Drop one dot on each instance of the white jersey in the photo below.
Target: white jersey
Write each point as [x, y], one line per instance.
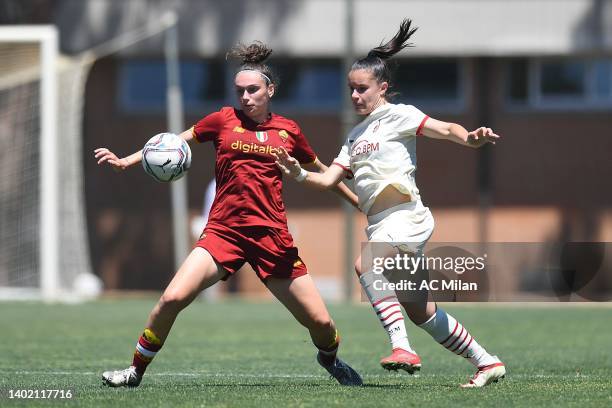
[381, 151]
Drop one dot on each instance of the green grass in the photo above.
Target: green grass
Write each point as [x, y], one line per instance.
[250, 354]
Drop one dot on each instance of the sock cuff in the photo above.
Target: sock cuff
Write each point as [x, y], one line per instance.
[367, 278]
[333, 346]
[147, 345]
[151, 337]
[431, 322]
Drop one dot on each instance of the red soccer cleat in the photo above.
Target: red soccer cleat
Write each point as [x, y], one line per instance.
[401, 359]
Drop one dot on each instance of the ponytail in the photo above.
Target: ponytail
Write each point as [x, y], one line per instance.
[376, 60]
[396, 44]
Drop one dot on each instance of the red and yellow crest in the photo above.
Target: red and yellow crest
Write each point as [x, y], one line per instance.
[283, 135]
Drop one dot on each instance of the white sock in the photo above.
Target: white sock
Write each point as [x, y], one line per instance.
[451, 334]
[388, 310]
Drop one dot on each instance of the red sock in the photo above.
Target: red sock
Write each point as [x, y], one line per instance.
[147, 347]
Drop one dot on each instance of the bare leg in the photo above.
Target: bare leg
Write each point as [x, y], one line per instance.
[419, 312]
[420, 307]
[301, 297]
[198, 272]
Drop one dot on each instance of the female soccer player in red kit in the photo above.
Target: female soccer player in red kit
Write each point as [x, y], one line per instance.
[247, 222]
[380, 153]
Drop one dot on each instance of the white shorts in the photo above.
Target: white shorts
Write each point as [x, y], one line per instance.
[410, 224]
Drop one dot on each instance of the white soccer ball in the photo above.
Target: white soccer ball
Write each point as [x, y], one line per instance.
[166, 157]
[87, 286]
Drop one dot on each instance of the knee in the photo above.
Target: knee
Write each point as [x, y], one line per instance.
[357, 265]
[173, 300]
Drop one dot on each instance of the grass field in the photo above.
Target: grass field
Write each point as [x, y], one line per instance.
[250, 354]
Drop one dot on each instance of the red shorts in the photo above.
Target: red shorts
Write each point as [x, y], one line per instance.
[269, 251]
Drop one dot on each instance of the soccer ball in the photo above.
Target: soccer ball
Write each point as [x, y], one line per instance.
[166, 157]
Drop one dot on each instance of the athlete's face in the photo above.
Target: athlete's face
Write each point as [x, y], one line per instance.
[253, 94]
[367, 93]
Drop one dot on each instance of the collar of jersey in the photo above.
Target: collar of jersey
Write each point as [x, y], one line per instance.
[375, 114]
[250, 123]
[381, 110]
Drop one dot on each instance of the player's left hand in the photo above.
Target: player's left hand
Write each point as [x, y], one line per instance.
[481, 136]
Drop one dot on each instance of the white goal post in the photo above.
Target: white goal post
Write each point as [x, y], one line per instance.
[47, 38]
[44, 244]
[44, 248]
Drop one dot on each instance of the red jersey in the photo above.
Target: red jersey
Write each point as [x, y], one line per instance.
[249, 185]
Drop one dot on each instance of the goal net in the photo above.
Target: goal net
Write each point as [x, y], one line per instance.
[43, 238]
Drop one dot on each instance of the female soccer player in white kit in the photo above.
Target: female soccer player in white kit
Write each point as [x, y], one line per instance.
[380, 153]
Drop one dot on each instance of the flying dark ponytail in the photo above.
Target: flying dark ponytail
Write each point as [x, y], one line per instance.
[252, 58]
[396, 44]
[376, 60]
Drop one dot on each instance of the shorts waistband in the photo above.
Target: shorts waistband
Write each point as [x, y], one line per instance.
[378, 217]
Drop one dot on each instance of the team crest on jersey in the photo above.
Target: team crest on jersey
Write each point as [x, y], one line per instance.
[283, 135]
[239, 129]
[262, 136]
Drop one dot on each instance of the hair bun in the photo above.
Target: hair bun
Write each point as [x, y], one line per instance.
[254, 53]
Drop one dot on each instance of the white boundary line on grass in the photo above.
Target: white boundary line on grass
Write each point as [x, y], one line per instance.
[271, 376]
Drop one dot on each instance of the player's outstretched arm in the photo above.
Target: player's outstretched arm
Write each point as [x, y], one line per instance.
[118, 164]
[341, 189]
[290, 167]
[104, 155]
[438, 129]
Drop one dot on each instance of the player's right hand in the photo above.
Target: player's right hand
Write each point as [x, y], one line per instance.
[287, 164]
[106, 156]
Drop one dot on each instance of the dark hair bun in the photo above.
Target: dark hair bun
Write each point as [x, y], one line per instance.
[254, 53]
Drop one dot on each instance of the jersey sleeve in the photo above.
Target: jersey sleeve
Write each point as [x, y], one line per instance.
[411, 121]
[302, 151]
[344, 160]
[208, 127]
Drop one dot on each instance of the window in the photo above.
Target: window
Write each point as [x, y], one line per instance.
[310, 85]
[603, 80]
[305, 85]
[517, 85]
[562, 80]
[142, 85]
[577, 83]
[437, 84]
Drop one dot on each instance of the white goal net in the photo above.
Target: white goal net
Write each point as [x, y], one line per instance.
[43, 236]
